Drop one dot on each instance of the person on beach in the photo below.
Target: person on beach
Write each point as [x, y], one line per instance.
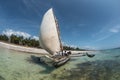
[62, 53]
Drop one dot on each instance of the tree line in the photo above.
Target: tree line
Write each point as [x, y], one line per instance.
[30, 42]
[20, 40]
[72, 48]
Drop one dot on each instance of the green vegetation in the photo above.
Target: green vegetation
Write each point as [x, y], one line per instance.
[19, 40]
[72, 48]
[30, 42]
[4, 38]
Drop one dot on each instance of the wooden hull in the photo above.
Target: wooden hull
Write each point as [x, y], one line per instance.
[54, 62]
[61, 62]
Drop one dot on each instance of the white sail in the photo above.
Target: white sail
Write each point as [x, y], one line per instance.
[49, 35]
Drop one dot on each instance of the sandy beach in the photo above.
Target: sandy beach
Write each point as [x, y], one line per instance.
[22, 48]
[33, 50]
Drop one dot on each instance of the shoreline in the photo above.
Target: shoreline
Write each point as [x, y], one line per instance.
[22, 48]
[33, 50]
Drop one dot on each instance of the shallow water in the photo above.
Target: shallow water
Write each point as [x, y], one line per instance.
[19, 66]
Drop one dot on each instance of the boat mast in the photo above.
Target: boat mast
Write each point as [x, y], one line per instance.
[58, 31]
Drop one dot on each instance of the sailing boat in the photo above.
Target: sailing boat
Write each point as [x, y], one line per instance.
[50, 40]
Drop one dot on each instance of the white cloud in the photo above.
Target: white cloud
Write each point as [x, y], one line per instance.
[103, 38]
[35, 37]
[66, 44]
[81, 25]
[115, 29]
[73, 46]
[88, 47]
[32, 5]
[106, 33]
[9, 32]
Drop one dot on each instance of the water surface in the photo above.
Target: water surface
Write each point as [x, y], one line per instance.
[16, 65]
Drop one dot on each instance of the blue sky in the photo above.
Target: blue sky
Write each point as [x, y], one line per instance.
[91, 24]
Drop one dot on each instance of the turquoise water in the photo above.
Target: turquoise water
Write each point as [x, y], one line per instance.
[19, 66]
